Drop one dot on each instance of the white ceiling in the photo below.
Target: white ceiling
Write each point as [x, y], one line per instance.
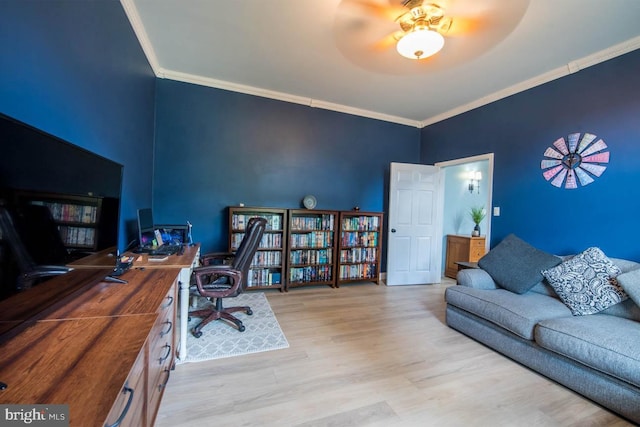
[323, 53]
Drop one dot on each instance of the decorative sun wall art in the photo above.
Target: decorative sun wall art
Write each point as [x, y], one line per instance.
[575, 161]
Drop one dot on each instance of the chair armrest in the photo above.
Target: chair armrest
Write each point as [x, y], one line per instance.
[476, 278]
[208, 274]
[27, 279]
[216, 258]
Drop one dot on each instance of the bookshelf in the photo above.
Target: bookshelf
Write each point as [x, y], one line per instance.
[312, 242]
[85, 223]
[267, 267]
[359, 247]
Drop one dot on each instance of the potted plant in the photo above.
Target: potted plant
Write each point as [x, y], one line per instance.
[477, 215]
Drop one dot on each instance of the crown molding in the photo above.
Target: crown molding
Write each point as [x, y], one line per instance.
[138, 28]
[281, 96]
[570, 68]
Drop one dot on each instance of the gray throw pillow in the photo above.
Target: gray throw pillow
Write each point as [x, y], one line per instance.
[515, 265]
[630, 282]
[587, 282]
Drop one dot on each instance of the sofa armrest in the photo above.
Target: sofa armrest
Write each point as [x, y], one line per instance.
[476, 278]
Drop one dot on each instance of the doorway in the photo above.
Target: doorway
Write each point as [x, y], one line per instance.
[462, 191]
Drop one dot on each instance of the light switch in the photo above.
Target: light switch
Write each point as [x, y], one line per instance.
[496, 211]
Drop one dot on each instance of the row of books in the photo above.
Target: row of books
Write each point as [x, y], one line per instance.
[322, 222]
[314, 239]
[361, 223]
[268, 241]
[359, 271]
[264, 277]
[311, 256]
[359, 255]
[240, 221]
[318, 273]
[266, 259]
[359, 238]
[67, 212]
[77, 236]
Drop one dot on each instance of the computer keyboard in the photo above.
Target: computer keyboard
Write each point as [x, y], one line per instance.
[162, 250]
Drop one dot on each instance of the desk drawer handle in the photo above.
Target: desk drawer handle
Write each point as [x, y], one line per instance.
[126, 408]
[169, 303]
[164, 384]
[162, 359]
[170, 323]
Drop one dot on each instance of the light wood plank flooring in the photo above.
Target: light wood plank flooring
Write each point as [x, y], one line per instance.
[367, 355]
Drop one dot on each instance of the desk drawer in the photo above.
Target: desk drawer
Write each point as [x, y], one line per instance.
[162, 352]
[135, 415]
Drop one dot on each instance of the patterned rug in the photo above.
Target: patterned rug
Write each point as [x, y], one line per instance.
[219, 339]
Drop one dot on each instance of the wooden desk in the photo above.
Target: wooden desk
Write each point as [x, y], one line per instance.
[83, 349]
[185, 262]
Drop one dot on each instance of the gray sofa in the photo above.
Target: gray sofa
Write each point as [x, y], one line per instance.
[596, 355]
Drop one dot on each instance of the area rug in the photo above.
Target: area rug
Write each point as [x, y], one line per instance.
[219, 339]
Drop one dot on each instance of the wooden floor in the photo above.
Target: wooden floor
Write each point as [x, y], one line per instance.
[367, 355]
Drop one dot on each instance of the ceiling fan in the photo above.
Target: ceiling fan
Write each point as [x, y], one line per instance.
[367, 30]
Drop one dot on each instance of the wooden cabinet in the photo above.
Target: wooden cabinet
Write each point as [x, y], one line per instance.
[105, 349]
[462, 248]
[84, 222]
[359, 249]
[311, 243]
[267, 267]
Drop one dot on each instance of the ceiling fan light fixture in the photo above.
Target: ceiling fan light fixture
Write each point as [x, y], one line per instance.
[420, 43]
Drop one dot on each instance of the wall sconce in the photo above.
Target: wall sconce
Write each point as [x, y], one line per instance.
[474, 181]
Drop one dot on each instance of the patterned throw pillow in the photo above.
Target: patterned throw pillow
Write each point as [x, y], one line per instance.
[587, 282]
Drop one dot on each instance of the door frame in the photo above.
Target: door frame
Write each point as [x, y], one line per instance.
[489, 191]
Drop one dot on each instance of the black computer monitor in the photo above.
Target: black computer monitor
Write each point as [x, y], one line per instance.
[146, 234]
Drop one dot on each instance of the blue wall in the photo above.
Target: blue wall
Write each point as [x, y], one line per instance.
[75, 69]
[602, 100]
[216, 148]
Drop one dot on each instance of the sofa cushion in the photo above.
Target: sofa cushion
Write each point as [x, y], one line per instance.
[516, 313]
[606, 343]
[586, 283]
[515, 265]
[630, 282]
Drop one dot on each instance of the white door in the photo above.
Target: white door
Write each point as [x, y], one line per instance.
[414, 244]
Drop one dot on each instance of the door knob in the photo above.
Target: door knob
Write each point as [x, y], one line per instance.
[393, 230]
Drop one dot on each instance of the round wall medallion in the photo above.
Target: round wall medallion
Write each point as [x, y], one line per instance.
[309, 202]
[575, 161]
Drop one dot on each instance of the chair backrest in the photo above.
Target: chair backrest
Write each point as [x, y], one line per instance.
[248, 247]
[9, 233]
[39, 234]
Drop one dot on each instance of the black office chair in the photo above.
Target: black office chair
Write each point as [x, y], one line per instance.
[29, 272]
[218, 281]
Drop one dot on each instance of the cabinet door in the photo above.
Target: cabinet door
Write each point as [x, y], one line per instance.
[457, 250]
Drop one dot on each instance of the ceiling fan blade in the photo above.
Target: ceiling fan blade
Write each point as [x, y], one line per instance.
[387, 42]
[382, 9]
[463, 26]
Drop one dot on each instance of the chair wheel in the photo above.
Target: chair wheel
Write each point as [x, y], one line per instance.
[241, 328]
[197, 334]
[249, 312]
